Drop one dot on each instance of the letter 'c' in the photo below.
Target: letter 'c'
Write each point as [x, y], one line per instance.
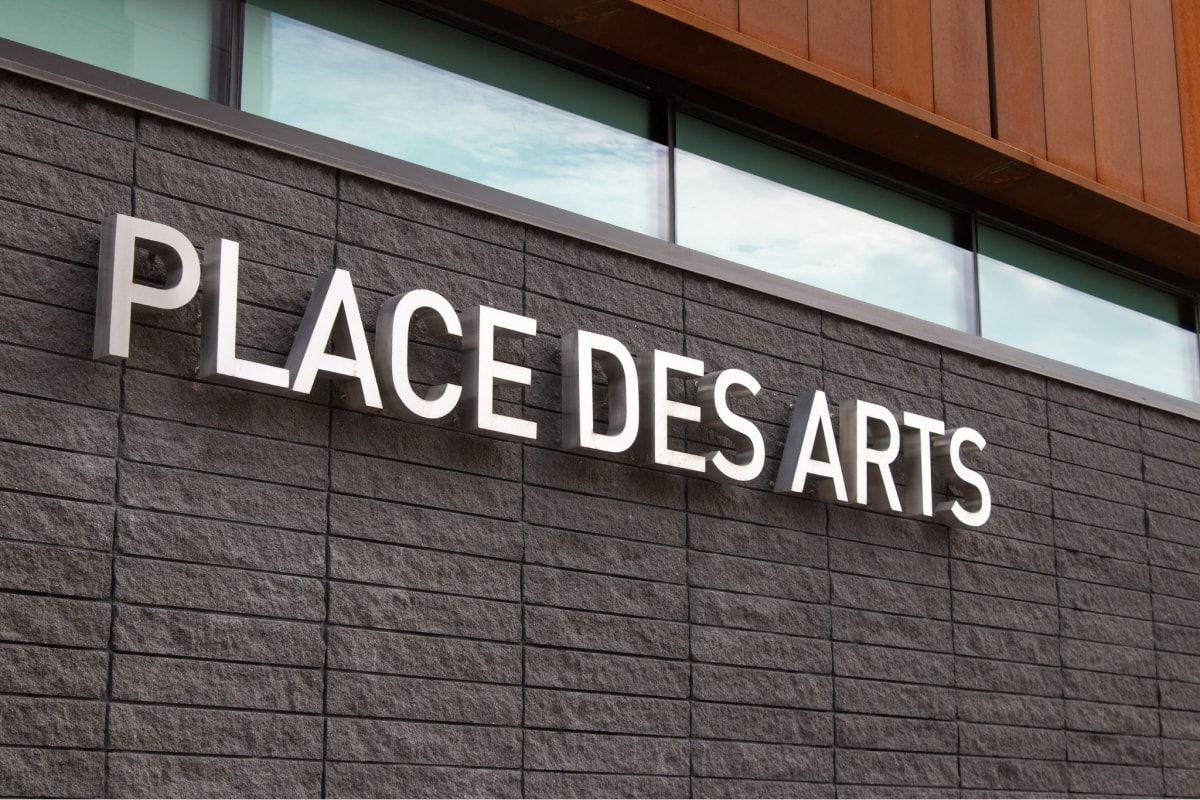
[392, 331]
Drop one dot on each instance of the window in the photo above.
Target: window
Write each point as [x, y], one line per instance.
[1048, 303]
[385, 79]
[168, 42]
[748, 202]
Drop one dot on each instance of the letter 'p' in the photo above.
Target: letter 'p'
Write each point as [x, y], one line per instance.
[116, 292]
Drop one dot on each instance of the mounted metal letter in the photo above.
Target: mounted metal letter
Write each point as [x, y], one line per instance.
[918, 462]
[870, 442]
[811, 450]
[332, 313]
[713, 393]
[481, 370]
[579, 348]
[218, 330]
[392, 330]
[116, 291]
[654, 369]
[947, 453]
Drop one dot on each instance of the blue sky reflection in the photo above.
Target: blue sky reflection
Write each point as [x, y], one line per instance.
[374, 98]
[763, 224]
[1036, 314]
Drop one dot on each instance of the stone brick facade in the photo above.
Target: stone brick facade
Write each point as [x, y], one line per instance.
[209, 590]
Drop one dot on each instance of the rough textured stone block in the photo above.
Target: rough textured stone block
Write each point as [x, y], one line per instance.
[159, 775]
[594, 752]
[36, 772]
[208, 731]
[177, 681]
[207, 635]
[605, 713]
[364, 695]
[434, 657]
[604, 672]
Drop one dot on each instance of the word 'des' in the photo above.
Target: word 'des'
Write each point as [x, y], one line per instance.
[855, 467]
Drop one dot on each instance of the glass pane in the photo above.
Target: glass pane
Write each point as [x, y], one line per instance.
[168, 42]
[1043, 316]
[1081, 275]
[376, 98]
[771, 226]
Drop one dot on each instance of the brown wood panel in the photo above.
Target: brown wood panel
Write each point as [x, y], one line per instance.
[781, 23]
[1163, 184]
[839, 36]
[1067, 83]
[1114, 96]
[961, 89]
[1186, 18]
[1017, 59]
[821, 100]
[902, 50]
[722, 12]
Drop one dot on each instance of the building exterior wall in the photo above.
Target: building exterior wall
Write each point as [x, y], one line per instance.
[1096, 86]
[208, 590]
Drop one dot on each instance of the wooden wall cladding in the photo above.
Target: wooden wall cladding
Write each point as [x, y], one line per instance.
[1109, 89]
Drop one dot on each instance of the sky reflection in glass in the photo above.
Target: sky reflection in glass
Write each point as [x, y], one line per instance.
[321, 81]
[1036, 314]
[754, 221]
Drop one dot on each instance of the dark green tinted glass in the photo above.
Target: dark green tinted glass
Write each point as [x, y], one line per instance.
[372, 75]
[1063, 308]
[421, 39]
[168, 42]
[780, 166]
[1081, 275]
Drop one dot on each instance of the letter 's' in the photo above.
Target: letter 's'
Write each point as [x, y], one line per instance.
[948, 457]
[713, 394]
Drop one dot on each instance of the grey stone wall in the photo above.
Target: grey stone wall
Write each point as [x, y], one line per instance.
[207, 590]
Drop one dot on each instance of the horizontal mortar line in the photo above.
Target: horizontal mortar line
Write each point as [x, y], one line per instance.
[136, 187]
[515, 481]
[68, 403]
[438, 266]
[75, 125]
[123, 180]
[508, 601]
[123, 554]
[58, 259]
[212, 755]
[191, 515]
[429, 506]
[608, 312]
[591, 270]
[315, 448]
[456, 469]
[73, 548]
[192, 379]
[59, 211]
[274, 481]
[771, 322]
[669, 737]
[332, 196]
[433, 226]
[68, 450]
[52, 747]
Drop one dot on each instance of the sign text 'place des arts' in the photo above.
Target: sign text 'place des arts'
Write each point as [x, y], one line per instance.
[332, 342]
